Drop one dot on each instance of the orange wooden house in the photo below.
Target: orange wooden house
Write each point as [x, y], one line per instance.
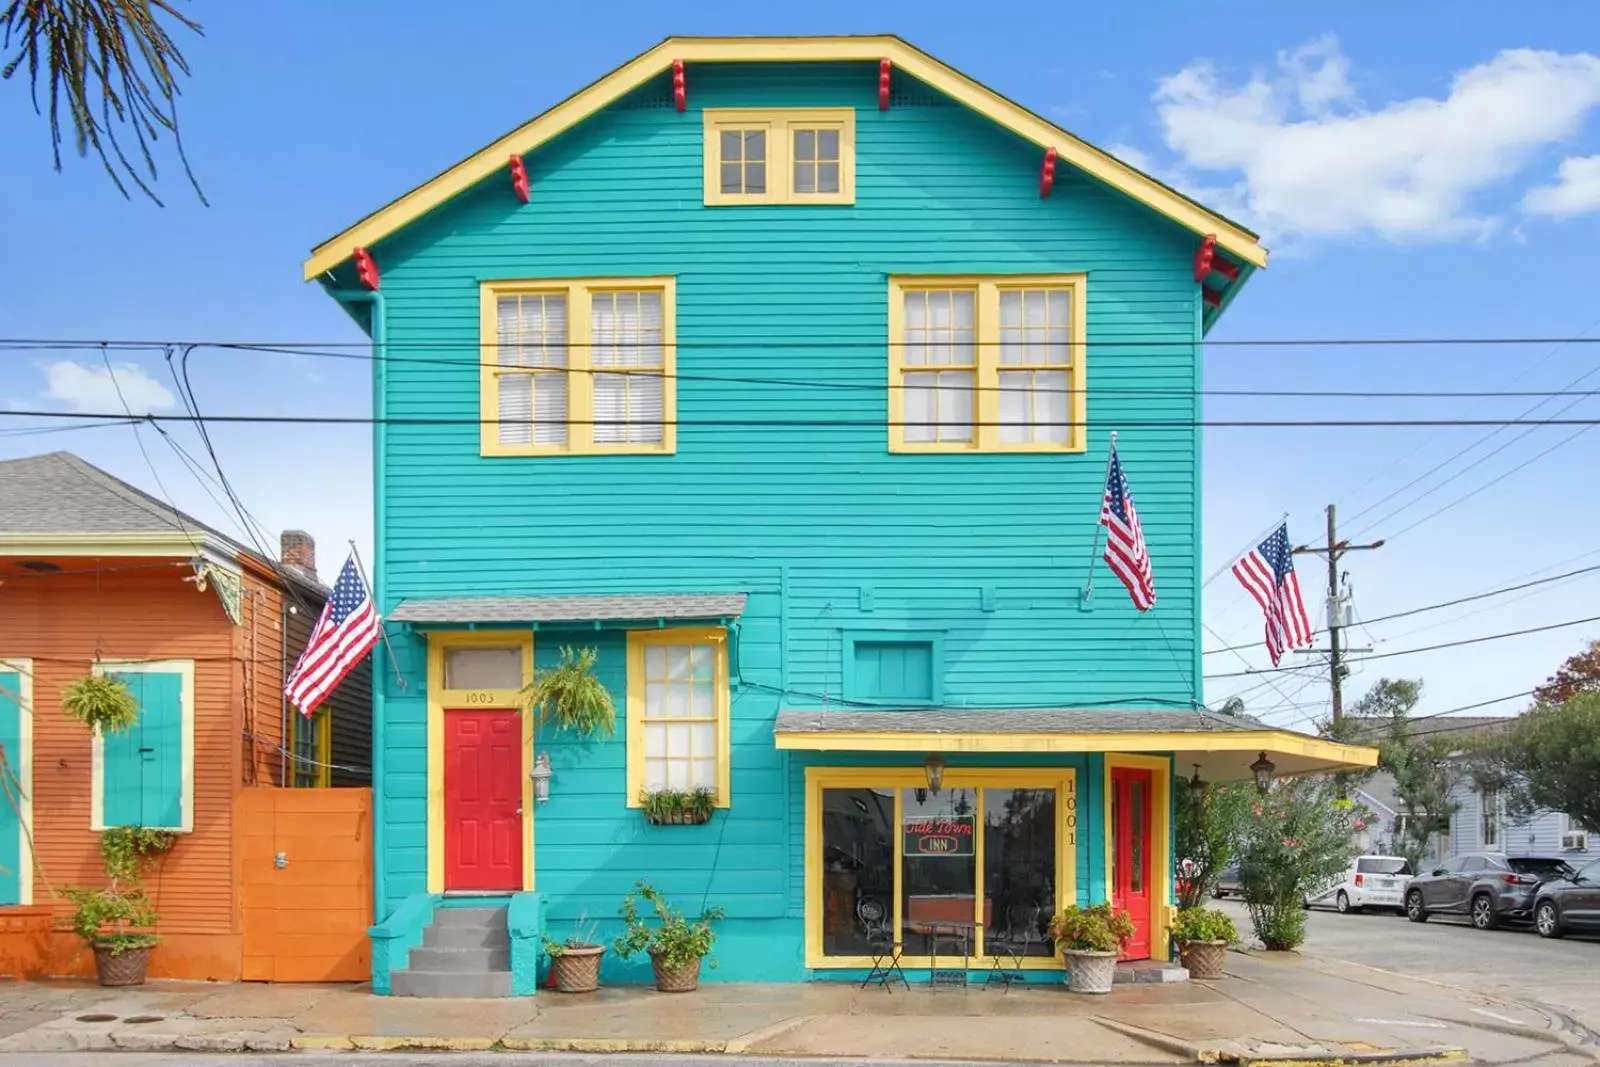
[270, 876]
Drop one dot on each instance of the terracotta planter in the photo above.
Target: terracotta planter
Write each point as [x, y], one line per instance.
[1203, 959]
[684, 978]
[124, 968]
[1090, 972]
[577, 969]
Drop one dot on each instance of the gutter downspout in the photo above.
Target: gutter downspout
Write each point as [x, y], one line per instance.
[378, 331]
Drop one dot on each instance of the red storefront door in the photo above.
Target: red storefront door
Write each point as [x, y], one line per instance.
[1130, 846]
[482, 800]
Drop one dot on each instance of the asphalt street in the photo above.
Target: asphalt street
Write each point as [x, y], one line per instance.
[1512, 962]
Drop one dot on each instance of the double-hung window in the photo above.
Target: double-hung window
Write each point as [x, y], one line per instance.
[780, 156]
[987, 364]
[678, 710]
[578, 367]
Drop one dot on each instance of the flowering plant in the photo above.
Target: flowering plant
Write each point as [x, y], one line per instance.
[1300, 839]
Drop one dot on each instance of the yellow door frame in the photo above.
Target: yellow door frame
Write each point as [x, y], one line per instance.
[1062, 779]
[1161, 841]
[440, 698]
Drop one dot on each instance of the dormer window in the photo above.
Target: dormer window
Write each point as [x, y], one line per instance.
[780, 156]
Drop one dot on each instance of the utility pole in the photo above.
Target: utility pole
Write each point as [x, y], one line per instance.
[1334, 550]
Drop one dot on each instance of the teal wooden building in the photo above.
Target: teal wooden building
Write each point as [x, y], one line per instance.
[780, 372]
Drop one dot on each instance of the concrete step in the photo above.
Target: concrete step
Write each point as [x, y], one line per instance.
[448, 984]
[466, 937]
[460, 960]
[470, 917]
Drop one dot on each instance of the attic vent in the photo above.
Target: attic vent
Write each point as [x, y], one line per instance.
[653, 95]
[905, 91]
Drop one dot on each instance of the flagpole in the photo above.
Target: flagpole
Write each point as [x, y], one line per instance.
[382, 632]
[1094, 550]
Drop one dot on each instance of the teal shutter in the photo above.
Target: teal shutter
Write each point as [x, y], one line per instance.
[11, 843]
[894, 670]
[143, 771]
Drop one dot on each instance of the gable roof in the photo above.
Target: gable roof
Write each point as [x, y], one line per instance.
[1231, 237]
[59, 494]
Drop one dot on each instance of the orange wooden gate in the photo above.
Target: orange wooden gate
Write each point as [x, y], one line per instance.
[305, 879]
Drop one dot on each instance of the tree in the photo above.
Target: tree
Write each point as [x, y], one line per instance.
[1580, 674]
[1549, 760]
[110, 65]
[1210, 831]
[1298, 838]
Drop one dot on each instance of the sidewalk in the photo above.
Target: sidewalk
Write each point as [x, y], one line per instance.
[1273, 1008]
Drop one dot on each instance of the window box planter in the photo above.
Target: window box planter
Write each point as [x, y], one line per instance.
[671, 807]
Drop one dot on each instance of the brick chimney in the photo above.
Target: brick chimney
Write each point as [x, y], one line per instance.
[298, 549]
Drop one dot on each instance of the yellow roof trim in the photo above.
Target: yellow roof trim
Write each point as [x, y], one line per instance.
[1235, 239]
[1273, 741]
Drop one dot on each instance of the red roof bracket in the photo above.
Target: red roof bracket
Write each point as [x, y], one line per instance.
[1226, 269]
[519, 178]
[1047, 173]
[1212, 297]
[1204, 257]
[680, 86]
[366, 269]
[884, 66]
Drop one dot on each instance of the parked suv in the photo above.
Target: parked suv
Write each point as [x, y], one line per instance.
[1372, 881]
[1571, 903]
[1488, 887]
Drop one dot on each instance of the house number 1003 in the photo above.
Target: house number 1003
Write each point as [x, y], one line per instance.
[480, 697]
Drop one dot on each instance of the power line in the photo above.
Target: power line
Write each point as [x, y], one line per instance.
[1123, 424]
[1425, 648]
[1430, 607]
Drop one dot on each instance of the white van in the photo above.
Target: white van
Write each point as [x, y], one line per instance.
[1371, 882]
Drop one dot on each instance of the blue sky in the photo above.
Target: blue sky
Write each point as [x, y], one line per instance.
[1414, 176]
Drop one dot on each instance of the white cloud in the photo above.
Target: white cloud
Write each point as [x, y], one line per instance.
[1306, 158]
[88, 388]
[1576, 191]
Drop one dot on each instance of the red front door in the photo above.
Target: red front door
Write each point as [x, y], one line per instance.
[1130, 849]
[482, 800]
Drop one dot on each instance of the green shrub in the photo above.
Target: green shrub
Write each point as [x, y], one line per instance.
[1204, 924]
[675, 940]
[1096, 928]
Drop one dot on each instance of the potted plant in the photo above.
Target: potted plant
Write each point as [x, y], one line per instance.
[575, 960]
[101, 703]
[1203, 936]
[676, 946]
[570, 697]
[676, 807]
[118, 920]
[1090, 940]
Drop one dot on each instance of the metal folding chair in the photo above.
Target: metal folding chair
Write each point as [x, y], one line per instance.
[881, 946]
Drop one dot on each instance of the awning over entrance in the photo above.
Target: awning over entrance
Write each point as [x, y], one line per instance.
[1222, 746]
[535, 610]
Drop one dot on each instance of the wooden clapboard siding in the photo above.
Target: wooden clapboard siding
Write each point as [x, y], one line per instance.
[822, 526]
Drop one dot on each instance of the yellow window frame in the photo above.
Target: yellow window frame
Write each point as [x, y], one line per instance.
[780, 125]
[322, 722]
[986, 289]
[1064, 780]
[579, 293]
[440, 699]
[638, 642]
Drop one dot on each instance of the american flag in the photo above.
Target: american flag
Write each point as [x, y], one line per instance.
[1268, 574]
[344, 634]
[1125, 549]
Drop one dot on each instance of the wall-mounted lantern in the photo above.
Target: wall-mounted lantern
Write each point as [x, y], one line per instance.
[933, 766]
[541, 777]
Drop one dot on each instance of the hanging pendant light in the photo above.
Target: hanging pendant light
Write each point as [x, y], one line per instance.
[933, 766]
[1262, 768]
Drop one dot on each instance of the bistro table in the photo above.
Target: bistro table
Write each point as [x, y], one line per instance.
[959, 934]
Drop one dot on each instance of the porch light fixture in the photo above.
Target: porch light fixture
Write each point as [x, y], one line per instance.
[1262, 768]
[934, 766]
[541, 777]
[1197, 788]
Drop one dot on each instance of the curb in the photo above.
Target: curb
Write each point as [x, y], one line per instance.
[1164, 1042]
[1436, 1054]
[613, 1045]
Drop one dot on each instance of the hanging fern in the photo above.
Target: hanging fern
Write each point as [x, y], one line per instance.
[571, 698]
[101, 702]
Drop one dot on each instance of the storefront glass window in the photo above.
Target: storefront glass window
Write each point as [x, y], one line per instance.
[939, 879]
[1019, 864]
[858, 870]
